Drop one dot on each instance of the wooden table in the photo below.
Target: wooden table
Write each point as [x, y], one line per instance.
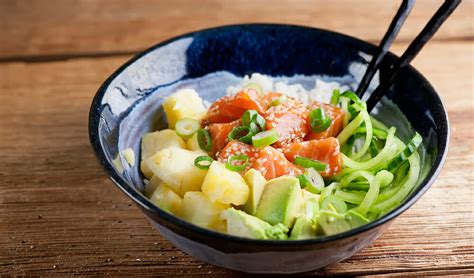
[59, 214]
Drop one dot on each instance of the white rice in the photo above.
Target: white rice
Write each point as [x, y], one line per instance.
[322, 91]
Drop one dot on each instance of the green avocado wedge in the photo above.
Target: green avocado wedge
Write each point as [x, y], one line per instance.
[332, 222]
[256, 183]
[281, 201]
[304, 228]
[242, 224]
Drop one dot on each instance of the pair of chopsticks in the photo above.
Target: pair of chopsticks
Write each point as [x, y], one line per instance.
[410, 53]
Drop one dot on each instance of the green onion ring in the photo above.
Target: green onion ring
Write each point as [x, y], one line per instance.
[203, 158]
[204, 140]
[265, 138]
[310, 163]
[242, 158]
[186, 127]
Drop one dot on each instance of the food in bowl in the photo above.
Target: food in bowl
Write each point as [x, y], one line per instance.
[277, 164]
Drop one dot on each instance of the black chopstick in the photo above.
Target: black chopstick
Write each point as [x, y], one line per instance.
[413, 49]
[385, 44]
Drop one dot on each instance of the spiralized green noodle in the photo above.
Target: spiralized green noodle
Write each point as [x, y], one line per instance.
[379, 169]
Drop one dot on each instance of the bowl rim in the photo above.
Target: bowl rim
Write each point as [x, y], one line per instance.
[199, 232]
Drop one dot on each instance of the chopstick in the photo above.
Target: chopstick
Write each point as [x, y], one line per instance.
[435, 22]
[387, 40]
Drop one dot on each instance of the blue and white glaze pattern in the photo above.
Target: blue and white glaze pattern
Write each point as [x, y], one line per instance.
[128, 105]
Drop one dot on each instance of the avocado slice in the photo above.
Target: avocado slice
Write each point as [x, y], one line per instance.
[332, 222]
[281, 201]
[311, 206]
[256, 183]
[242, 224]
[304, 228]
[355, 219]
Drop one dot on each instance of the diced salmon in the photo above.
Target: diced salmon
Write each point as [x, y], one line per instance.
[230, 108]
[337, 116]
[219, 134]
[324, 150]
[270, 162]
[289, 118]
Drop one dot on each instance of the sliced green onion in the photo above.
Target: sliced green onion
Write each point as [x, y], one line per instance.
[358, 185]
[241, 159]
[318, 120]
[241, 133]
[310, 163]
[255, 87]
[312, 181]
[379, 133]
[265, 138]
[410, 148]
[359, 104]
[252, 116]
[203, 162]
[248, 117]
[204, 140]
[335, 97]
[279, 100]
[186, 127]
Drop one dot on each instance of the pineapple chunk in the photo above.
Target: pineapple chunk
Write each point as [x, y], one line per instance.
[198, 209]
[151, 186]
[166, 199]
[184, 103]
[129, 157]
[192, 143]
[156, 141]
[175, 167]
[225, 186]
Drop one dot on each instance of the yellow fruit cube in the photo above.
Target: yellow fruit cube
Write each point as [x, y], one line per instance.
[166, 199]
[225, 186]
[154, 142]
[184, 103]
[192, 143]
[175, 167]
[198, 209]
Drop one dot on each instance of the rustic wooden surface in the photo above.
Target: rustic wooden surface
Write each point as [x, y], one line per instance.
[59, 214]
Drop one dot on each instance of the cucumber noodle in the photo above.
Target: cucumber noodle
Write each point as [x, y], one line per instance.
[368, 185]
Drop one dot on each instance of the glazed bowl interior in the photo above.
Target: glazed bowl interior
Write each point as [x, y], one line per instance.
[129, 102]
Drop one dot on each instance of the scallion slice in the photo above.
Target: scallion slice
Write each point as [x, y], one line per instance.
[203, 162]
[241, 133]
[252, 116]
[310, 163]
[335, 97]
[279, 100]
[318, 120]
[265, 138]
[186, 127]
[204, 140]
[359, 104]
[237, 163]
[312, 181]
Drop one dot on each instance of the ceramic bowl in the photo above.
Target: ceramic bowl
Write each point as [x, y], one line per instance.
[127, 105]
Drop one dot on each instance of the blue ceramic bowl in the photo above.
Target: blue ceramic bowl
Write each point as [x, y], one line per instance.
[128, 105]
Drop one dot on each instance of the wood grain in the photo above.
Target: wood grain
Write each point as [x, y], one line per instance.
[61, 215]
[33, 29]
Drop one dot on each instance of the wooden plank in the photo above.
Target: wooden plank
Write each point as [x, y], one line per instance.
[60, 214]
[31, 28]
